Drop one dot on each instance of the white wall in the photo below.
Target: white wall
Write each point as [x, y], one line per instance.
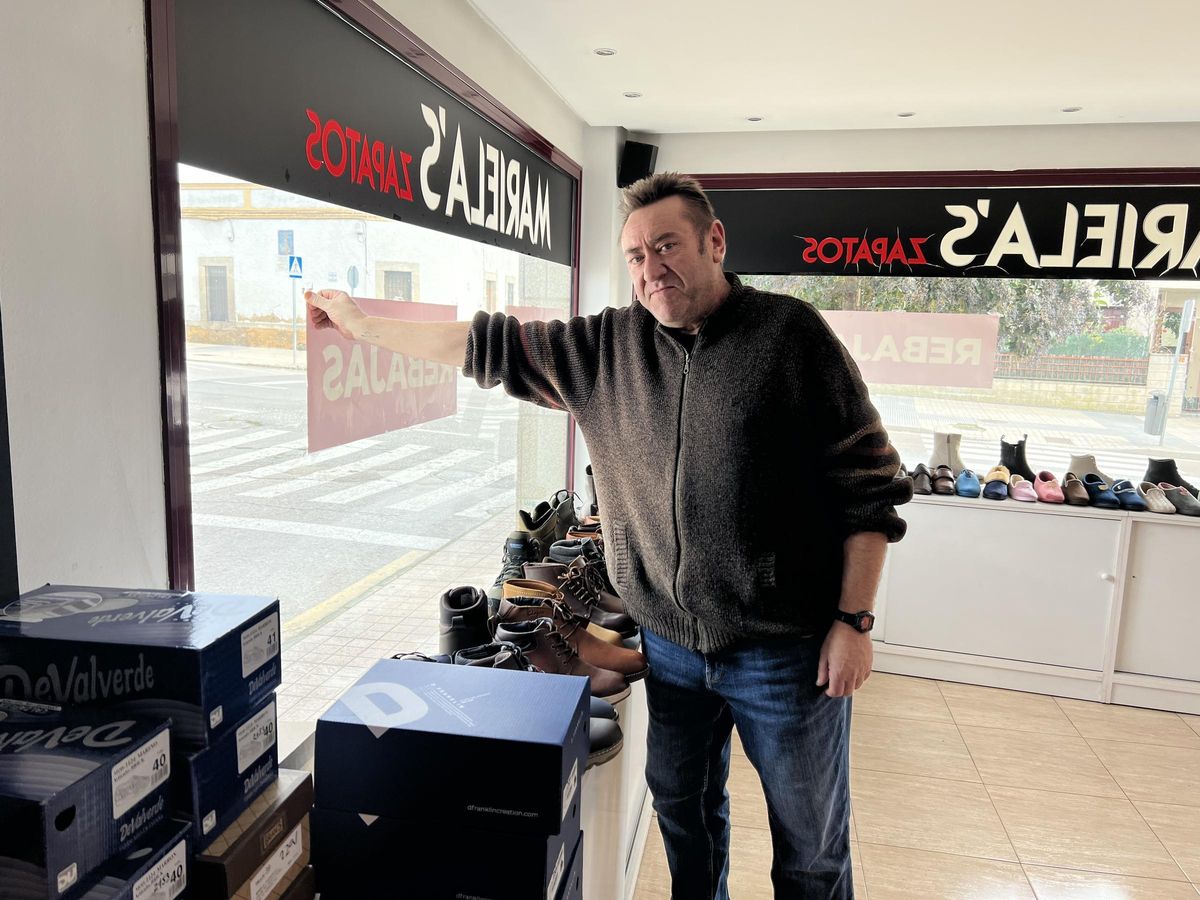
[456, 30]
[78, 295]
[903, 149]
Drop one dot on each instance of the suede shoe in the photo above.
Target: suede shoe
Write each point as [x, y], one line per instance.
[1100, 495]
[603, 655]
[1184, 503]
[543, 646]
[519, 548]
[1073, 490]
[1128, 496]
[526, 587]
[582, 590]
[464, 615]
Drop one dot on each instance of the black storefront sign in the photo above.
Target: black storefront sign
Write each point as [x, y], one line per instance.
[8, 532]
[1101, 233]
[286, 94]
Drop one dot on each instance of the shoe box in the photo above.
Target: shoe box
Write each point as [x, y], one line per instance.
[213, 786]
[156, 868]
[303, 888]
[369, 856]
[200, 660]
[76, 788]
[467, 746]
[572, 887]
[265, 844]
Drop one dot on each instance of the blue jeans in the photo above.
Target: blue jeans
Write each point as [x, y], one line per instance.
[795, 737]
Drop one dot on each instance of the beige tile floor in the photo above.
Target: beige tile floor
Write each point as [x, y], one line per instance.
[969, 793]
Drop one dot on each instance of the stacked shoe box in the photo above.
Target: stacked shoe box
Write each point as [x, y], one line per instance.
[264, 854]
[207, 664]
[439, 781]
[80, 794]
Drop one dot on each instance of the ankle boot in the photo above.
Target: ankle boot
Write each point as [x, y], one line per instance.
[1012, 457]
[528, 587]
[603, 655]
[584, 592]
[1160, 471]
[543, 646]
[594, 509]
[945, 452]
[519, 548]
[1084, 464]
[464, 615]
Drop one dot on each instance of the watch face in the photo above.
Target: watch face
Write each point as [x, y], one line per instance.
[866, 621]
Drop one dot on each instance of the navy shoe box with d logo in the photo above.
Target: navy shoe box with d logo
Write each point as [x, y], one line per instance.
[201, 660]
[76, 788]
[469, 746]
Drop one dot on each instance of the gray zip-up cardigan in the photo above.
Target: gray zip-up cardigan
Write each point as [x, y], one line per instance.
[730, 474]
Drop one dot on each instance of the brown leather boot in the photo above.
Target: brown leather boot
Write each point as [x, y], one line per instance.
[630, 663]
[526, 587]
[582, 591]
[543, 646]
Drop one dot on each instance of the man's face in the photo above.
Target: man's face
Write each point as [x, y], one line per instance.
[676, 272]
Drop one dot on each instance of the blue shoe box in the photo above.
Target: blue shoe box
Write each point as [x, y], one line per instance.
[436, 863]
[76, 788]
[572, 888]
[212, 787]
[468, 746]
[156, 868]
[200, 660]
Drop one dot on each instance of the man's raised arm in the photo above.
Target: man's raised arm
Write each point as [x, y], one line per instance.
[442, 342]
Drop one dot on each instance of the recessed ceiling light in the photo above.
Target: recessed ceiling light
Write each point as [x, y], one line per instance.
[632, 95]
[906, 115]
[1069, 109]
[754, 118]
[605, 51]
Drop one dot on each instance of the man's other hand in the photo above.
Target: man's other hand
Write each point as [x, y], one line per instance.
[845, 662]
[335, 309]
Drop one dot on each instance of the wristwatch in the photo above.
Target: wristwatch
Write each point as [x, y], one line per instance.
[860, 621]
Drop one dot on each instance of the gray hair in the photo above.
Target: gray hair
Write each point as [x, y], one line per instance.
[654, 188]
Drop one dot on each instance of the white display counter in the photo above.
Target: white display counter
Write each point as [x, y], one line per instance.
[1073, 601]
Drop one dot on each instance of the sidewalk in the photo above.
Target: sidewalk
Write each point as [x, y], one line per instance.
[230, 354]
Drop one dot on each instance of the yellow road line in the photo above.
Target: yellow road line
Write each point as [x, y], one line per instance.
[347, 595]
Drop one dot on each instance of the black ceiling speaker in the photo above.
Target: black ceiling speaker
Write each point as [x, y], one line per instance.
[637, 161]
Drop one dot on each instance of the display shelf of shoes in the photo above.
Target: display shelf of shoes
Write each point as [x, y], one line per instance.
[1071, 601]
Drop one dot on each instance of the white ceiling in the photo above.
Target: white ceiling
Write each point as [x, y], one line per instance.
[703, 65]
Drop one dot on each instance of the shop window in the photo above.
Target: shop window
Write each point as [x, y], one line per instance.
[390, 514]
[1075, 365]
[510, 291]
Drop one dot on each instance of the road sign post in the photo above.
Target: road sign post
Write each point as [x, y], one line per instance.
[295, 273]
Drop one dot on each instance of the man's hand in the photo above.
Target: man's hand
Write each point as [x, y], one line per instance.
[335, 309]
[845, 662]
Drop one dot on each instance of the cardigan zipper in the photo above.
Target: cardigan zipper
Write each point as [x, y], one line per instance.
[687, 364]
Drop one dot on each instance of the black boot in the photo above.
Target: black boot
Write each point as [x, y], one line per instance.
[519, 548]
[464, 614]
[1166, 471]
[1012, 457]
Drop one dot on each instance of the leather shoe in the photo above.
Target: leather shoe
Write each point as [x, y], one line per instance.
[922, 480]
[630, 663]
[549, 651]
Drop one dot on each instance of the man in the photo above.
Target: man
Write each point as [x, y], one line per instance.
[747, 492]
